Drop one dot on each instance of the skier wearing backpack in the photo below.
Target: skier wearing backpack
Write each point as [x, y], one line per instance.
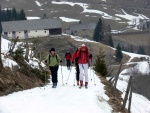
[53, 61]
[74, 59]
[83, 57]
[68, 59]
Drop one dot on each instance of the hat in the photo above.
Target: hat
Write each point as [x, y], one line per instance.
[52, 49]
[83, 45]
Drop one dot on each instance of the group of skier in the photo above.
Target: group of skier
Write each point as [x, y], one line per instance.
[80, 58]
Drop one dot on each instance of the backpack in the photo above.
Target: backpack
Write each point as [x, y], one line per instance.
[68, 56]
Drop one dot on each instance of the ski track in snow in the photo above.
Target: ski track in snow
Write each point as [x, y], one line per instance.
[63, 99]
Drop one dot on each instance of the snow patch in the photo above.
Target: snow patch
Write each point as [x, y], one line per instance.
[65, 19]
[31, 18]
[38, 3]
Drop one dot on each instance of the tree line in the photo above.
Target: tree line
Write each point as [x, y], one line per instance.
[102, 33]
[12, 15]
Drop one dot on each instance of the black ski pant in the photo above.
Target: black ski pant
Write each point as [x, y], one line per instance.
[68, 64]
[54, 71]
[77, 71]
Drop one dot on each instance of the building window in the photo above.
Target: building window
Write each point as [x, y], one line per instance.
[13, 32]
[5, 33]
[25, 31]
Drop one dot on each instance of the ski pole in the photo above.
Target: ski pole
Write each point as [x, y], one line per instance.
[94, 77]
[62, 75]
[74, 79]
[68, 75]
[44, 80]
[90, 70]
[90, 74]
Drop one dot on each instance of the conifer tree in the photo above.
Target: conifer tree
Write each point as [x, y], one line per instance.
[22, 15]
[108, 28]
[80, 22]
[3, 15]
[8, 13]
[141, 50]
[118, 53]
[98, 32]
[100, 65]
[131, 49]
[110, 41]
[14, 14]
[44, 16]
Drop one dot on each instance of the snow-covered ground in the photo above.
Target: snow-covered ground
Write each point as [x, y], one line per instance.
[65, 98]
[31, 18]
[68, 19]
[132, 20]
[68, 98]
[119, 16]
[139, 104]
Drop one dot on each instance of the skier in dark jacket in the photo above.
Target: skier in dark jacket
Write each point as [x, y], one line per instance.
[53, 61]
[74, 59]
[68, 59]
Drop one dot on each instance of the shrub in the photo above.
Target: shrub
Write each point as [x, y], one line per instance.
[100, 65]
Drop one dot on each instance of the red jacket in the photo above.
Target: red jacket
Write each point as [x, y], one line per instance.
[74, 56]
[68, 56]
[83, 56]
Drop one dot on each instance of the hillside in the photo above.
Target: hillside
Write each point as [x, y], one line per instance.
[86, 11]
[70, 42]
[20, 75]
[118, 14]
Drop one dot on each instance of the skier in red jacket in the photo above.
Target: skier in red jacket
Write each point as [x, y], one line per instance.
[68, 59]
[83, 58]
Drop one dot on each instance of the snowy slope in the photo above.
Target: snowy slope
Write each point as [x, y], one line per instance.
[139, 104]
[90, 12]
[68, 98]
[64, 99]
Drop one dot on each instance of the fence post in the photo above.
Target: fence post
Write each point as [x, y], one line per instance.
[127, 93]
[130, 97]
[116, 79]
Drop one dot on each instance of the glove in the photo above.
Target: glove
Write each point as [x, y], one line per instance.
[45, 61]
[88, 64]
[76, 59]
[90, 56]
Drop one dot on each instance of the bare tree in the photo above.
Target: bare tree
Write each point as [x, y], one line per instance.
[27, 46]
[12, 45]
